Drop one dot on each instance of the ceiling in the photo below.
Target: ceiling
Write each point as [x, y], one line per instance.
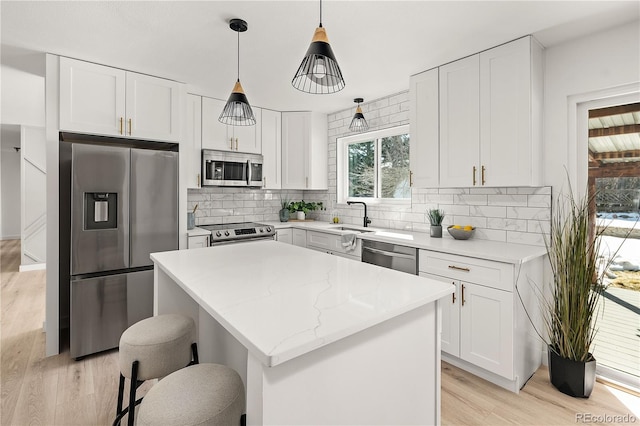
[378, 44]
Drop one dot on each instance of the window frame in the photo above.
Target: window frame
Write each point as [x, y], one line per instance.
[342, 165]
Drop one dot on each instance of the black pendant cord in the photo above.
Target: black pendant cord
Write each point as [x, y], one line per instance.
[320, 13]
[238, 55]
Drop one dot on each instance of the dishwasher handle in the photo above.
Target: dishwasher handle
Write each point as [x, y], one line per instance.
[389, 253]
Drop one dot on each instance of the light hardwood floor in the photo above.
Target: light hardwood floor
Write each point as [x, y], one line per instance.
[60, 391]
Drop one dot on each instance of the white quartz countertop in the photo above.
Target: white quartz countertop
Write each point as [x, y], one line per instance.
[197, 232]
[483, 249]
[281, 301]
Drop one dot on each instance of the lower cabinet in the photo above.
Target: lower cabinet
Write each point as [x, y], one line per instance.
[198, 241]
[332, 244]
[284, 235]
[299, 237]
[487, 323]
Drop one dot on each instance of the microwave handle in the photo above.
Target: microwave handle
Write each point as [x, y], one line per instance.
[248, 172]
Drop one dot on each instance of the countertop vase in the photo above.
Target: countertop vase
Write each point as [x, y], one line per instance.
[300, 215]
[284, 215]
[435, 231]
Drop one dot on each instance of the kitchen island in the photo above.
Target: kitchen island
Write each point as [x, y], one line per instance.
[317, 339]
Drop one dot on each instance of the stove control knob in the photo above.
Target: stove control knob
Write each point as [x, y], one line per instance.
[226, 233]
[261, 230]
[218, 234]
[268, 229]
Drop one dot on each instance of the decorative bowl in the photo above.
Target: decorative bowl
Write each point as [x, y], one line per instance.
[461, 234]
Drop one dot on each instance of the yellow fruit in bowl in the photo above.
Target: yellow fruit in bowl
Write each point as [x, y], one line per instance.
[457, 227]
[468, 228]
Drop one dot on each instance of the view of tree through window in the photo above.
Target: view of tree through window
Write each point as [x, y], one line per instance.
[379, 168]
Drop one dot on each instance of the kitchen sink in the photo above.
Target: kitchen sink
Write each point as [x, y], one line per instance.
[348, 228]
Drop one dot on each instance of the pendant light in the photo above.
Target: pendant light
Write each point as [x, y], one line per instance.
[237, 111]
[358, 124]
[319, 72]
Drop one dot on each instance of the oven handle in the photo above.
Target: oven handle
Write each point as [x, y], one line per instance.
[389, 253]
[241, 240]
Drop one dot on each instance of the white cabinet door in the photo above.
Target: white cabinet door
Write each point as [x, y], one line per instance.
[424, 132]
[199, 241]
[299, 237]
[321, 240]
[214, 133]
[486, 328]
[192, 145]
[248, 138]
[285, 235]
[304, 150]
[153, 108]
[505, 114]
[459, 123]
[450, 336]
[92, 98]
[272, 149]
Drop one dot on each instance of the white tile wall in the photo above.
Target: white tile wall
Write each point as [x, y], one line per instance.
[517, 215]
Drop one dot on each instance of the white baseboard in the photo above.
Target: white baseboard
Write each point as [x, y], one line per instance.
[33, 267]
[10, 237]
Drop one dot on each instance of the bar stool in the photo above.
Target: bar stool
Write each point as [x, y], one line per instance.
[150, 349]
[203, 394]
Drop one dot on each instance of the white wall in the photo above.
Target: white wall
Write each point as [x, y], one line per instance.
[10, 187]
[581, 70]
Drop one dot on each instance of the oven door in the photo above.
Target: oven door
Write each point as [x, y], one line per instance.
[240, 240]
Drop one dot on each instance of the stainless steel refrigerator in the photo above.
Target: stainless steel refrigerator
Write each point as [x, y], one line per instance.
[123, 207]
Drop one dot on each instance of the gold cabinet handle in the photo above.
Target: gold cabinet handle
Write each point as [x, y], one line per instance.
[198, 179]
[459, 268]
[474, 175]
[462, 294]
[121, 124]
[231, 146]
[483, 175]
[410, 178]
[130, 126]
[236, 144]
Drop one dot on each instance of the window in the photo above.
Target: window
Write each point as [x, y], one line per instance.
[374, 166]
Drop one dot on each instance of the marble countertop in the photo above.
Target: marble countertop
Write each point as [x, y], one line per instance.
[291, 300]
[196, 232]
[483, 249]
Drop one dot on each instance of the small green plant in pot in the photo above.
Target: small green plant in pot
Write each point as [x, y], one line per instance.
[284, 211]
[302, 208]
[435, 216]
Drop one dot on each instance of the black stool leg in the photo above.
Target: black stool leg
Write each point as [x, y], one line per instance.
[194, 351]
[120, 395]
[132, 392]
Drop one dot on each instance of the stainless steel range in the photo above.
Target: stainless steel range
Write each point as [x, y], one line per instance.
[238, 232]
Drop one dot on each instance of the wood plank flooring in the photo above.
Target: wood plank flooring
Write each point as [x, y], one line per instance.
[60, 391]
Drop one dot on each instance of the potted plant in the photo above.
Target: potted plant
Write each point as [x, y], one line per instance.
[435, 216]
[284, 211]
[570, 308]
[302, 208]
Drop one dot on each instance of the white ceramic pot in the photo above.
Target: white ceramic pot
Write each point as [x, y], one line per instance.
[300, 215]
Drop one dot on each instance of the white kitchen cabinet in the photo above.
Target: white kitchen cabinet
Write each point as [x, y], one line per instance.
[198, 241]
[424, 122]
[285, 235]
[304, 150]
[192, 145]
[490, 117]
[485, 327]
[299, 237]
[272, 149]
[459, 122]
[101, 100]
[332, 244]
[220, 136]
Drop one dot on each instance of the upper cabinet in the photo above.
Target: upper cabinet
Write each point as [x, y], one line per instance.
[216, 135]
[102, 100]
[191, 147]
[484, 111]
[272, 149]
[424, 129]
[304, 150]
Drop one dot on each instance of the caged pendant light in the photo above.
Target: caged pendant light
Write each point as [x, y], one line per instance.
[358, 124]
[319, 72]
[237, 111]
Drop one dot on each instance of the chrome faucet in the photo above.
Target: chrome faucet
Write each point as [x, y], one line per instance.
[367, 221]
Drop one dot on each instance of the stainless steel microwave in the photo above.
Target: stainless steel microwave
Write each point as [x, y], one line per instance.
[223, 168]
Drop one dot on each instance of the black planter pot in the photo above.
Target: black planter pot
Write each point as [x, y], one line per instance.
[573, 378]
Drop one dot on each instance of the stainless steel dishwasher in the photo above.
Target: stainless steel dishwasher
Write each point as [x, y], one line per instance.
[392, 256]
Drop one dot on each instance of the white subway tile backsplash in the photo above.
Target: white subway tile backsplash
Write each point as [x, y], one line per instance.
[507, 224]
[546, 190]
[539, 213]
[488, 211]
[525, 238]
[539, 200]
[487, 191]
[479, 200]
[507, 200]
[452, 191]
[491, 234]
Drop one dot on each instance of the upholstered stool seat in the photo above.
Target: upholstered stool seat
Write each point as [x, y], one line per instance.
[153, 348]
[202, 394]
